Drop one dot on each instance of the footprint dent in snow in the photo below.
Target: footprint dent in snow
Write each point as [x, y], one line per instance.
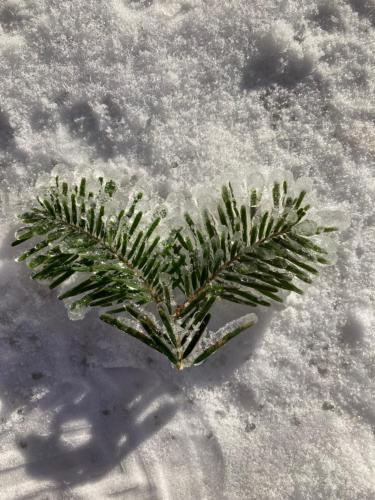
[352, 331]
[328, 16]
[6, 131]
[12, 16]
[364, 8]
[84, 122]
[41, 119]
[279, 59]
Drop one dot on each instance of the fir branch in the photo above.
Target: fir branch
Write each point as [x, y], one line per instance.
[242, 253]
[244, 256]
[113, 250]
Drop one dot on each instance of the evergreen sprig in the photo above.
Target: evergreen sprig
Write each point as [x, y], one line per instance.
[241, 253]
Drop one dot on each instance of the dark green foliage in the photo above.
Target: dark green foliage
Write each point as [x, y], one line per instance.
[240, 253]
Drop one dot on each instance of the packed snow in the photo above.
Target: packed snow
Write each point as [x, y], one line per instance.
[174, 98]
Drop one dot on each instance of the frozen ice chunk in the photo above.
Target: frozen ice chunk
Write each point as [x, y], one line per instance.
[334, 218]
[292, 217]
[280, 175]
[304, 184]
[243, 185]
[306, 228]
[77, 313]
[330, 246]
[248, 319]
[255, 180]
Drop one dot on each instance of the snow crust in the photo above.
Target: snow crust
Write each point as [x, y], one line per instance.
[174, 98]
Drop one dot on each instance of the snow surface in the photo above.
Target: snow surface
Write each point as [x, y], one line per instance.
[176, 97]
